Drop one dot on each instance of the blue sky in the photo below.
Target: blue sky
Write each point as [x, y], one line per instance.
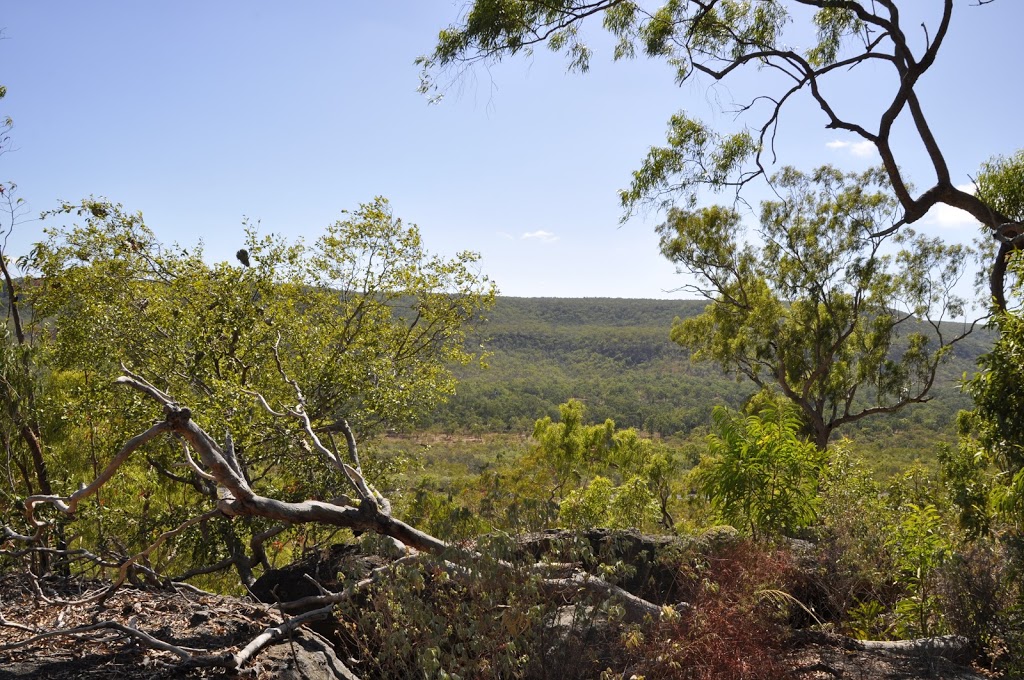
[202, 113]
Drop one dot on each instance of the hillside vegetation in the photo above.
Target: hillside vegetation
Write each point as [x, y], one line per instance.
[616, 357]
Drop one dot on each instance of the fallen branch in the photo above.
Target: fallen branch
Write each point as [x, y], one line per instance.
[145, 638]
[17, 626]
[636, 608]
[950, 646]
[265, 639]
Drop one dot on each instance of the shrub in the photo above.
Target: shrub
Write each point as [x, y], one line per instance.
[734, 626]
[760, 475]
[492, 621]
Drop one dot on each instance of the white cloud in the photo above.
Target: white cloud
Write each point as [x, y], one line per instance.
[540, 235]
[947, 216]
[505, 235]
[864, 149]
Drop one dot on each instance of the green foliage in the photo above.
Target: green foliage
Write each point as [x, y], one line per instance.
[817, 310]
[569, 448]
[367, 319]
[580, 476]
[887, 548]
[439, 515]
[994, 431]
[1001, 185]
[695, 152]
[760, 474]
[834, 24]
[364, 319]
[855, 516]
[920, 543]
[968, 483]
[603, 504]
[588, 506]
[6, 124]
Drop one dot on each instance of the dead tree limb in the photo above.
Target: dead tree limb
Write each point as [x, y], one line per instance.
[636, 609]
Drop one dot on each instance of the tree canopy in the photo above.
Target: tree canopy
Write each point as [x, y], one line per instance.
[283, 349]
[717, 40]
[995, 425]
[823, 309]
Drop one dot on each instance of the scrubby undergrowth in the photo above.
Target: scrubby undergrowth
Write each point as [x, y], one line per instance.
[731, 610]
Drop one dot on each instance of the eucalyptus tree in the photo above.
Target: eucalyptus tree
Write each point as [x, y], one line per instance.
[995, 424]
[843, 324]
[718, 40]
[364, 319]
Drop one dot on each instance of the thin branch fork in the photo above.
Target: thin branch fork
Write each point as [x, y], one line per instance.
[367, 493]
[68, 504]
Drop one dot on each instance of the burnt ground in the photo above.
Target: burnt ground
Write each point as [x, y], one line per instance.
[198, 621]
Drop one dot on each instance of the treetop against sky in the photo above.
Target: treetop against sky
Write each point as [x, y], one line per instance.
[201, 114]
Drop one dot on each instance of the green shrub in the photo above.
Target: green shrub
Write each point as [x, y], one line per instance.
[760, 475]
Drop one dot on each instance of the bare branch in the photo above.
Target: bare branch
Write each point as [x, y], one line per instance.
[137, 382]
[69, 504]
[263, 402]
[145, 638]
[271, 635]
[637, 609]
[195, 468]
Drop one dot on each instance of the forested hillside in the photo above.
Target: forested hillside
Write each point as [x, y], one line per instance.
[615, 355]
